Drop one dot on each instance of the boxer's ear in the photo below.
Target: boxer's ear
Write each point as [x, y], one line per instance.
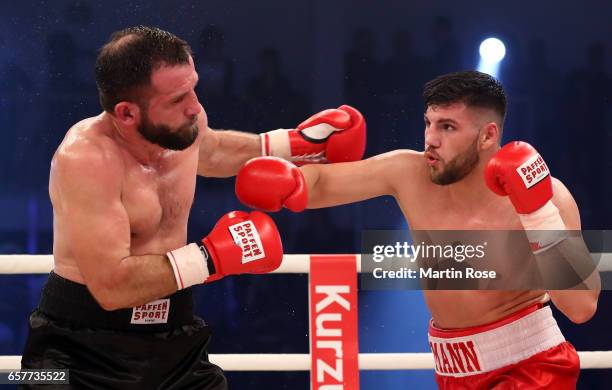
[489, 136]
[127, 113]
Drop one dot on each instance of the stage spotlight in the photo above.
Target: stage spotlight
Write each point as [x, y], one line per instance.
[492, 52]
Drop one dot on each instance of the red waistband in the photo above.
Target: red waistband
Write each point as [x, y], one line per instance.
[461, 332]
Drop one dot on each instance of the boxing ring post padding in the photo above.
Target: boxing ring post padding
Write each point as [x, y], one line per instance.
[367, 361]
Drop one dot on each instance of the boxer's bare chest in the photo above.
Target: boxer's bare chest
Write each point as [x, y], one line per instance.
[465, 308]
[158, 198]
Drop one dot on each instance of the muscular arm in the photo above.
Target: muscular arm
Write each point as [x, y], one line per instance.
[85, 189]
[336, 184]
[222, 153]
[578, 305]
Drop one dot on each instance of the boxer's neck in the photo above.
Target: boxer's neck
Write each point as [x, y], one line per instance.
[471, 192]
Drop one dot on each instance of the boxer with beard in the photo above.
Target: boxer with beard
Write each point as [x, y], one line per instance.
[117, 310]
[464, 180]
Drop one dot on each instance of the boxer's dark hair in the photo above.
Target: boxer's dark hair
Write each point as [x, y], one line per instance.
[125, 64]
[475, 89]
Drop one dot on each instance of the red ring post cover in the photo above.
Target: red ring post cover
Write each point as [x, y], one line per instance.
[334, 345]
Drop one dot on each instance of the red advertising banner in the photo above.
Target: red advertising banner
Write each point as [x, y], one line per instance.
[334, 343]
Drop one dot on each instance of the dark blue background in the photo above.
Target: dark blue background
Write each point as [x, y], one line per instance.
[271, 63]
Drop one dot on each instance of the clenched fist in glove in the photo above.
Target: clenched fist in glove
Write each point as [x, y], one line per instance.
[334, 135]
[518, 171]
[270, 183]
[239, 243]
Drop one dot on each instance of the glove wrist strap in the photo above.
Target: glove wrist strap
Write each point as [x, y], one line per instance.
[190, 264]
[544, 227]
[276, 143]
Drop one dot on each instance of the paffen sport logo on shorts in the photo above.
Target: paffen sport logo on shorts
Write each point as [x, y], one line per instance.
[246, 236]
[155, 312]
[533, 171]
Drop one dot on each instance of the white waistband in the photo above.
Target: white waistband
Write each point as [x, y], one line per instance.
[487, 351]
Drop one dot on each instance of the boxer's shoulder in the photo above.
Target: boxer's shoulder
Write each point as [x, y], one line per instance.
[408, 168]
[405, 160]
[88, 149]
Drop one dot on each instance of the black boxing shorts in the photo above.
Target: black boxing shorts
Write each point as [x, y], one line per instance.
[160, 345]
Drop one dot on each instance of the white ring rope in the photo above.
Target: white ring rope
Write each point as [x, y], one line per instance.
[292, 264]
[41, 264]
[367, 361]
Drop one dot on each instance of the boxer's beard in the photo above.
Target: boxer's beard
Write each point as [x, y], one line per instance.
[459, 167]
[182, 138]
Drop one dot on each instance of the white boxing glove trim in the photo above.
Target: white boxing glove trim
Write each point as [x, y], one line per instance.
[189, 264]
[276, 143]
[319, 132]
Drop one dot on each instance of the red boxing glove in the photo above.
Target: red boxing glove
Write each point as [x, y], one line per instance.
[239, 243]
[335, 135]
[517, 170]
[270, 183]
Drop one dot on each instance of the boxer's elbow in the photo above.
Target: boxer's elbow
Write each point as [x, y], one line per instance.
[108, 293]
[109, 300]
[583, 313]
[580, 313]
[578, 306]
[108, 303]
[106, 298]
